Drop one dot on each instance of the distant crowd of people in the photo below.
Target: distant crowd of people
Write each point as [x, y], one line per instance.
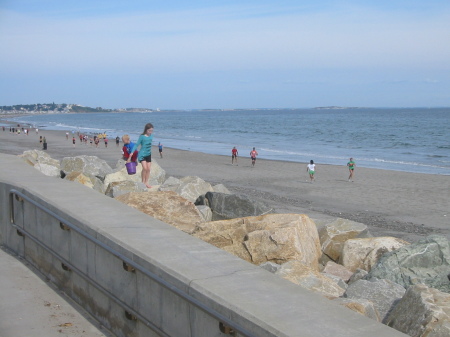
[130, 152]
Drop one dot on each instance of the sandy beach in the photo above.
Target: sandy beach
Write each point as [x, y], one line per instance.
[391, 203]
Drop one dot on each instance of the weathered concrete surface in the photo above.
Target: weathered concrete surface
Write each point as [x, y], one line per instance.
[29, 306]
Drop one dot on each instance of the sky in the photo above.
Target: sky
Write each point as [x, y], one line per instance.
[225, 54]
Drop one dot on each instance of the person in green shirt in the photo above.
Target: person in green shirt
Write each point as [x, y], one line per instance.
[145, 153]
[351, 167]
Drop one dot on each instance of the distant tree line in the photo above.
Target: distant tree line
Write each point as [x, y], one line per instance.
[52, 107]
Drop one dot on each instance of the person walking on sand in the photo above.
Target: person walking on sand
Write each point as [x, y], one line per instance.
[106, 141]
[351, 168]
[311, 168]
[234, 154]
[117, 141]
[73, 141]
[160, 148]
[145, 152]
[253, 155]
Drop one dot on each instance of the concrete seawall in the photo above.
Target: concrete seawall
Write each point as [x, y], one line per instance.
[141, 277]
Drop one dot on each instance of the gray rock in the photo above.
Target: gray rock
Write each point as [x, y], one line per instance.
[205, 211]
[89, 165]
[48, 170]
[384, 294]
[359, 274]
[220, 188]
[231, 206]
[157, 174]
[189, 187]
[427, 262]
[336, 279]
[42, 162]
[270, 266]
[334, 235]
[422, 311]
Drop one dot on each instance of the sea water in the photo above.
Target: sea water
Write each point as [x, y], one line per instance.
[412, 140]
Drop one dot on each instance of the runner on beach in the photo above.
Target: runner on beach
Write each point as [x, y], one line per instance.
[145, 152]
[253, 155]
[351, 168]
[234, 154]
[311, 169]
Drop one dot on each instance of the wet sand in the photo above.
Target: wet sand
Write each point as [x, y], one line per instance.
[391, 203]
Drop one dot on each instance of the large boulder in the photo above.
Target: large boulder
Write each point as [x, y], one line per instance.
[274, 237]
[384, 294]
[157, 174]
[365, 253]
[42, 162]
[89, 165]
[334, 235]
[122, 187]
[426, 261]
[167, 207]
[189, 187]
[80, 178]
[231, 206]
[48, 170]
[422, 311]
[311, 279]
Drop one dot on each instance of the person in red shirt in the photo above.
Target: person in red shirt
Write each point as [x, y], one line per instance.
[253, 155]
[127, 147]
[234, 154]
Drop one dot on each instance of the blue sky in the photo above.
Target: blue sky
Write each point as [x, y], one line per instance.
[225, 54]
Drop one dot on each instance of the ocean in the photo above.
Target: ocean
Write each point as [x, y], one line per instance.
[410, 139]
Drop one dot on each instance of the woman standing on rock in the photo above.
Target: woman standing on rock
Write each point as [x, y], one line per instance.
[145, 152]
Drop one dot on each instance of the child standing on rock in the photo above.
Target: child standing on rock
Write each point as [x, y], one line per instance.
[145, 152]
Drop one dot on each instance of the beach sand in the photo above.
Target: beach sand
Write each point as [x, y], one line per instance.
[401, 204]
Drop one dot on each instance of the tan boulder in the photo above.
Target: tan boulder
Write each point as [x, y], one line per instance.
[360, 305]
[157, 174]
[333, 236]
[365, 253]
[165, 206]
[80, 178]
[273, 237]
[337, 270]
[117, 188]
[422, 311]
[311, 279]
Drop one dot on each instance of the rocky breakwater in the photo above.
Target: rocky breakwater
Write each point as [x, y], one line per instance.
[404, 285]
